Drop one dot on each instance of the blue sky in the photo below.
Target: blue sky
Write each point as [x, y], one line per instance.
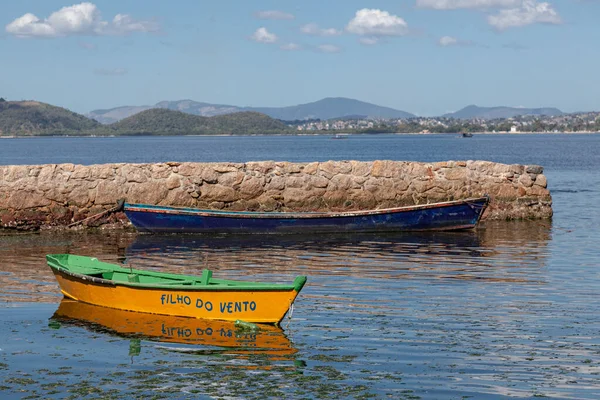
[423, 56]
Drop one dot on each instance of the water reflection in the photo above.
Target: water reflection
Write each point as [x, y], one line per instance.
[499, 311]
[498, 251]
[269, 341]
[501, 251]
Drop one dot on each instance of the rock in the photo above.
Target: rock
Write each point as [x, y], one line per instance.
[343, 182]
[276, 183]
[217, 205]
[540, 180]
[315, 181]
[218, 192]
[174, 181]
[209, 175]
[525, 180]
[261, 168]
[152, 192]
[455, 174]
[231, 178]
[252, 187]
[311, 168]
[81, 172]
[297, 197]
[179, 197]
[102, 172]
[224, 167]
[335, 199]
[24, 200]
[295, 181]
[188, 169]
[381, 169]
[361, 168]
[534, 169]
[328, 169]
[291, 168]
[159, 171]
[13, 173]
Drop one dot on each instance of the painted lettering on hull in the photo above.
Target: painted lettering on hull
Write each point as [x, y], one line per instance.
[232, 307]
[225, 307]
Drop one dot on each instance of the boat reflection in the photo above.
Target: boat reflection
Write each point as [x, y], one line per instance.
[161, 243]
[267, 340]
[500, 251]
[489, 235]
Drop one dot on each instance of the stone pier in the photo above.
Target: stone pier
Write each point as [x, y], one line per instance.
[56, 195]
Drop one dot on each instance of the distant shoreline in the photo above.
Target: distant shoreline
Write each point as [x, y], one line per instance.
[328, 133]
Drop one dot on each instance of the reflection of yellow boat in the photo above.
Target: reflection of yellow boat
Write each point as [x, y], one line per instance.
[268, 339]
[91, 281]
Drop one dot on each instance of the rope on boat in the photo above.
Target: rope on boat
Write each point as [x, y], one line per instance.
[118, 207]
[478, 206]
[289, 319]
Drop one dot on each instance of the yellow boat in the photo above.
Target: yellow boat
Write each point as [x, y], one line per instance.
[269, 340]
[95, 282]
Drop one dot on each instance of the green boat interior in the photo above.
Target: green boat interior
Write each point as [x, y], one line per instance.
[89, 267]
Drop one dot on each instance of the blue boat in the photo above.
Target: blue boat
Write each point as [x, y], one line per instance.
[449, 215]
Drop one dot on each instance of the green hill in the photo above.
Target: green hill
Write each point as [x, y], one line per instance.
[247, 123]
[158, 121]
[30, 118]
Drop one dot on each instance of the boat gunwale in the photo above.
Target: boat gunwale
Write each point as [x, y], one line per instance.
[297, 284]
[133, 207]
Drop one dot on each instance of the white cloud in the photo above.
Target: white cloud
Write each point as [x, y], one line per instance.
[529, 13]
[110, 71]
[313, 29]
[262, 35]
[124, 24]
[290, 47]
[376, 23]
[456, 4]
[273, 14]
[78, 19]
[448, 41]
[328, 48]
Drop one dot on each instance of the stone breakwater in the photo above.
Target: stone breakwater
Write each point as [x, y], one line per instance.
[54, 195]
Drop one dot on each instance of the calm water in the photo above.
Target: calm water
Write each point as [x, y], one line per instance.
[508, 310]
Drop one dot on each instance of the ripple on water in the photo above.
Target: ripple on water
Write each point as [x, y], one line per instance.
[499, 311]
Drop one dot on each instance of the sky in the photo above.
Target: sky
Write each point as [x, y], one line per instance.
[427, 57]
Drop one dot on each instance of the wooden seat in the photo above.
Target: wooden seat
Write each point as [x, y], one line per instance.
[206, 276]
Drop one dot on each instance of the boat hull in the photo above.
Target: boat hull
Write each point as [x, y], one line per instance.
[261, 303]
[452, 215]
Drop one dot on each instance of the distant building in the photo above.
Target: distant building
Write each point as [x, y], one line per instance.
[513, 129]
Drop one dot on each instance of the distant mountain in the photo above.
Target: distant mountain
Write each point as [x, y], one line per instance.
[116, 114]
[169, 122]
[473, 111]
[35, 118]
[332, 107]
[328, 108]
[198, 108]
